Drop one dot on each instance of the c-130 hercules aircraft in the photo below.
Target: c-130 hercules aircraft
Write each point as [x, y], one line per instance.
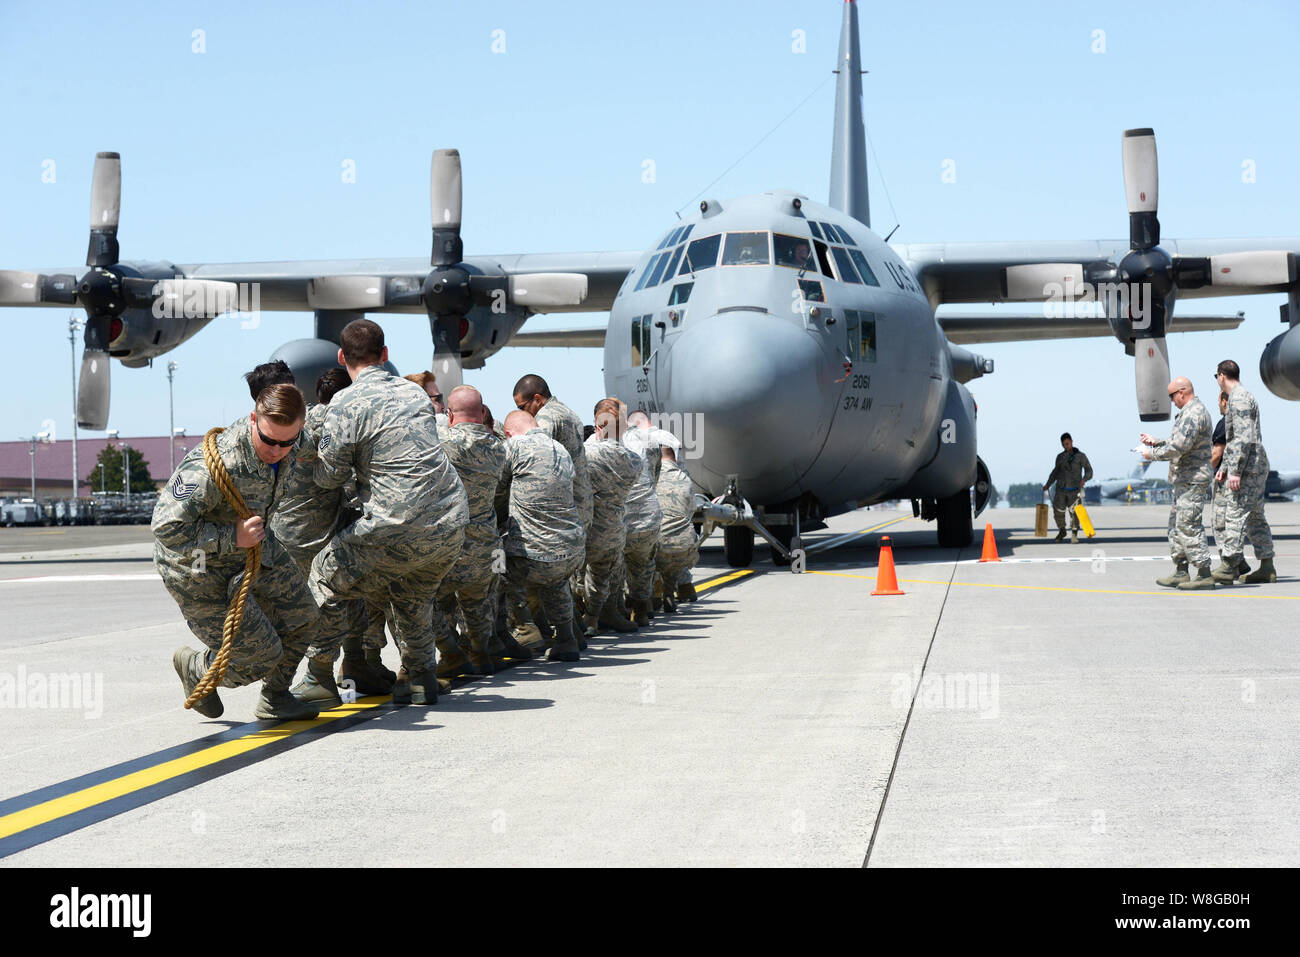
[744, 300]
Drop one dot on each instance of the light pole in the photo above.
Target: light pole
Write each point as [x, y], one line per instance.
[42, 438]
[112, 435]
[74, 326]
[126, 472]
[171, 415]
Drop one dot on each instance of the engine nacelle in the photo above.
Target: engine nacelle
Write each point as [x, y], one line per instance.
[309, 359]
[1279, 365]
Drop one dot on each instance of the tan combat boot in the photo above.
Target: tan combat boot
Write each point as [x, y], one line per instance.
[317, 686]
[1177, 578]
[1203, 580]
[1264, 573]
[611, 616]
[566, 643]
[190, 665]
[1226, 573]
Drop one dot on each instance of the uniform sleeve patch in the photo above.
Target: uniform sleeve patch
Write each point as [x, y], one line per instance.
[181, 490]
[325, 442]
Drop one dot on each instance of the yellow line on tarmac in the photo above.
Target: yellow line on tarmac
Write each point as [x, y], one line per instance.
[109, 790]
[1220, 592]
[722, 580]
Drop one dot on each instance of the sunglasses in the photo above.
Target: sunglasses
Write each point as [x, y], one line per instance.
[1174, 393]
[280, 445]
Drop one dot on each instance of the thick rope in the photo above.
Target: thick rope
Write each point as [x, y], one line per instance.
[252, 562]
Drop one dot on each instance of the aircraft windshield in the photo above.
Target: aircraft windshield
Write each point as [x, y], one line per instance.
[701, 254]
[793, 251]
[745, 249]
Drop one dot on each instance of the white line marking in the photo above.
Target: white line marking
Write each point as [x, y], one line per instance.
[83, 578]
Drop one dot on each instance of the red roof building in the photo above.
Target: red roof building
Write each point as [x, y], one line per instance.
[53, 463]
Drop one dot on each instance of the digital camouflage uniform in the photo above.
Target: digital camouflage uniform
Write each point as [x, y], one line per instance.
[414, 512]
[642, 518]
[563, 425]
[545, 538]
[679, 547]
[612, 467]
[479, 458]
[1187, 451]
[201, 566]
[1071, 471]
[1219, 489]
[1244, 456]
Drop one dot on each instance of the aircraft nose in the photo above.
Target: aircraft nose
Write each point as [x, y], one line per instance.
[762, 389]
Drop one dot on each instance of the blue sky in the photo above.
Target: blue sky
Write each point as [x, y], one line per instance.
[236, 154]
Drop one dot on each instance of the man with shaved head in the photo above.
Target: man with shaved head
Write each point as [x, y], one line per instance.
[545, 537]
[1187, 451]
[533, 395]
[613, 469]
[642, 518]
[479, 458]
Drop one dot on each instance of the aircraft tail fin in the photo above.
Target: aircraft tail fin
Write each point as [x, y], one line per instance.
[1140, 470]
[849, 146]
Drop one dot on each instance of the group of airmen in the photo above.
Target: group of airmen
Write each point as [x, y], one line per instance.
[1228, 464]
[389, 506]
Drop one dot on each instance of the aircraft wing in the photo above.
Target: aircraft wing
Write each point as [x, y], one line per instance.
[966, 328]
[581, 338]
[996, 272]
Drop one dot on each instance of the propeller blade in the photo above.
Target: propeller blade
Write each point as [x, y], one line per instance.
[93, 388]
[544, 290]
[1141, 171]
[18, 288]
[446, 352]
[1141, 187]
[445, 207]
[1030, 283]
[1151, 365]
[1263, 268]
[105, 204]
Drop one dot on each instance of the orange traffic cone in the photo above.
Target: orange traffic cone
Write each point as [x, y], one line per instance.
[990, 546]
[886, 580]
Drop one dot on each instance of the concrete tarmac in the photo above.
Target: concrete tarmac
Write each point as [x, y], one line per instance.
[1056, 708]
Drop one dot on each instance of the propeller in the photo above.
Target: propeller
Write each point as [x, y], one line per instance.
[107, 290]
[450, 290]
[1146, 281]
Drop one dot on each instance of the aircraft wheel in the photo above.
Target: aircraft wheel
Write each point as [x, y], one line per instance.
[954, 520]
[738, 545]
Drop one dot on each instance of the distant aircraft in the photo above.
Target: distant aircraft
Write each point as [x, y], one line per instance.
[807, 347]
[1121, 488]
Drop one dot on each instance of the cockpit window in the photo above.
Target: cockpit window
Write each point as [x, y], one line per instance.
[701, 254]
[838, 235]
[667, 240]
[864, 267]
[745, 249]
[681, 293]
[793, 251]
[816, 230]
[845, 265]
[655, 262]
[672, 264]
[811, 291]
[658, 270]
[686, 231]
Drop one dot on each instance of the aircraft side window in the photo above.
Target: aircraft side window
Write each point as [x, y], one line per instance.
[851, 321]
[672, 264]
[867, 329]
[645, 339]
[792, 251]
[650, 267]
[636, 341]
[864, 267]
[811, 290]
[745, 249]
[658, 270]
[681, 292]
[702, 254]
[845, 264]
[816, 230]
[824, 258]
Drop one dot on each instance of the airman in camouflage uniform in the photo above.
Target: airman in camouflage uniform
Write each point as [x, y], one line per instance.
[613, 468]
[1070, 473]
[679, 547]
[642, 519]
[545, 538]
[479, 458]
[199, 550]
[561, 423]
[413, 521]
[1188, 453]
[1245, 470]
